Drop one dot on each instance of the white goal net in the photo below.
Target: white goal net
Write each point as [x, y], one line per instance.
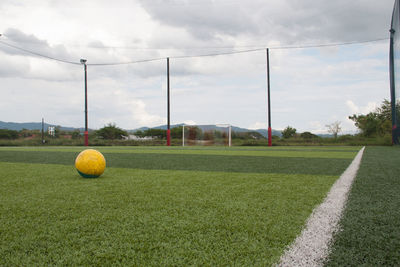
[207, 135]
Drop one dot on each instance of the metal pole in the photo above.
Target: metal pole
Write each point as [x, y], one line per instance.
[269, 102]
[86, 134]
[183, 135]
[230, 135]
[393, 89]
[168, 107]
[42, 130]
[86, 111]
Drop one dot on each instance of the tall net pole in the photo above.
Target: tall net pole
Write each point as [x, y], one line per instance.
[394, 68]
[42, 130]
[86, 134]
[168, 108]
[392, 88]
[183, 135]
[269, 103]
[230, 136]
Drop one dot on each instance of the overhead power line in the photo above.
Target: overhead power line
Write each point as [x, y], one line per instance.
[222, 47]
[38, 54]
[280, 47]
[262, 48]
[126, 62]
[330, 45]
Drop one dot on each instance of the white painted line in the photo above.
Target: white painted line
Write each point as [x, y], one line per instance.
[311, 247]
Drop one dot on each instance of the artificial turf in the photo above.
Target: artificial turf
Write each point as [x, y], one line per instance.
[202, 160]
[370, 226]
[215, 211]
[330, 153]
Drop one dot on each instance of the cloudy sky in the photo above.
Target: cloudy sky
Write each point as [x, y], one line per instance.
[310, 87]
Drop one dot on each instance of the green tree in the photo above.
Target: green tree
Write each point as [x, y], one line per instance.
[252, 135]
[194, 133]
[255, 135]
[334, 128]
[28, 133]
[288, 132]
[139, 133]
[308, 135]
[367, 124]
[76, 134]
[377, 122]
[8, 134]
[111, 132]
[176, 132]
[57, 131]
[208, 135]
[158, 133]
[385, 110]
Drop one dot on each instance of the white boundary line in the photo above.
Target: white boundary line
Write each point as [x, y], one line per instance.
[311, 247]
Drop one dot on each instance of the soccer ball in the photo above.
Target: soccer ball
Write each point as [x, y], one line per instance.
[90, 163]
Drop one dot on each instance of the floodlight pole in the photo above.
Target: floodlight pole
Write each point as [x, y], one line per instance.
[86, 134]
[168, 108]
[269, 102]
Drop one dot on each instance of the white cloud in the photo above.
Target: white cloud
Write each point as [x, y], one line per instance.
[13, 66]
[317, 127]
[309, 88]
[288, 21]
[371, 106]
[190, 122]
[111, 101]
[258, 125]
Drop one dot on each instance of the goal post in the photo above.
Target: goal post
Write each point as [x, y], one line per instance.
[229, 132]
[207, 135]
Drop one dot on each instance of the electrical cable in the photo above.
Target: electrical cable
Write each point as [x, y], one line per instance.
[279, 47]
[125, 63]
[330, 45]
[194, 56]
[219, 54]
[38, 54]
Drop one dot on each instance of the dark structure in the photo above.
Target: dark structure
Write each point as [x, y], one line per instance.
[394, 66]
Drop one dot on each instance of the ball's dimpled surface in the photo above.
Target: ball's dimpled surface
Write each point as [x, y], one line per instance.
[90, 163]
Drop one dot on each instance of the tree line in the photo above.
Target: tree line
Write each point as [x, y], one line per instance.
[375, 124]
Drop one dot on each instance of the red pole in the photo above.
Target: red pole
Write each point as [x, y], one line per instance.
[86, 138]
[269, 103]
[269, 136]
[168, 137]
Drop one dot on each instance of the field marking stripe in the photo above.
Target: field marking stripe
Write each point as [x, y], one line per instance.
[311, 247]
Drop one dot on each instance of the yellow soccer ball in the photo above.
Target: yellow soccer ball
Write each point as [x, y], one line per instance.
[90, 163]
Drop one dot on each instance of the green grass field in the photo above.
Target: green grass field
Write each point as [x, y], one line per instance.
[161, 206]
[370, 233]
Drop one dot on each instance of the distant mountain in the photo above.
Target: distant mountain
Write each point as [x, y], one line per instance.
[263, 132]
[325, 135]
[18, 126]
